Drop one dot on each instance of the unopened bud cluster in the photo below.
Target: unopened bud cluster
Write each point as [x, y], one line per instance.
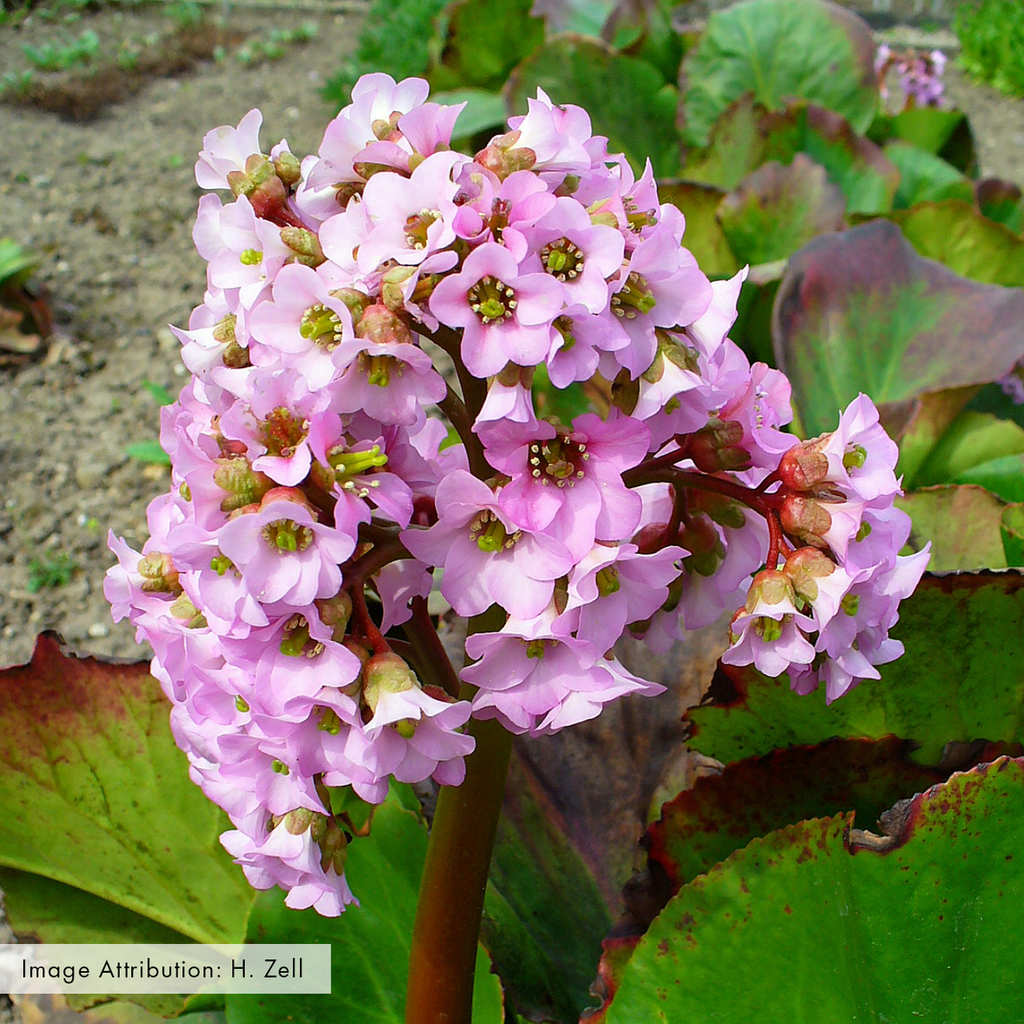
[327, 475]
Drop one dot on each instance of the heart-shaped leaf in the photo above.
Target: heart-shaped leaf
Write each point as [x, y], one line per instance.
[957, 235]
[469, 56]
[860, 311]
[748, 135]
[841, 923]
[778, 208]
[94, 795]
[779, 50]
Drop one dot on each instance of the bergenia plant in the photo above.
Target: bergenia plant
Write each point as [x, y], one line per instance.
[359, 446]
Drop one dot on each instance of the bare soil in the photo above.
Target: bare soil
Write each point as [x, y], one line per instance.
[104, 193]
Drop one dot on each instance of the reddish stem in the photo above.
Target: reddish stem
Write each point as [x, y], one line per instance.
[365, 624]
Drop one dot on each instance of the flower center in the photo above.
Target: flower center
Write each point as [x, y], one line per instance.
[296, 641]
[417, 225]
[287, 535]
[635, 296]
[378, 369]
[636, 218]
[560, 459]
[564, 325]
[562, 259]
[322, 326]
[490, 534]
[282, 432]
[491, 300]
[607, 581]
[250, 257]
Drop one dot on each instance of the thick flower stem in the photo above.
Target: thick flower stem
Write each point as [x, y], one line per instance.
[444, 938]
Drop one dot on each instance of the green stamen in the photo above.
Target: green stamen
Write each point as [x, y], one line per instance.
[250, 257]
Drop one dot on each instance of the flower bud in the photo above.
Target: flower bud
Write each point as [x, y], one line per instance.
[288, 168]
[260, 184]
[716, 446]
[383, 326]
[305, 245]
[333, 847]
[803, 466]
[804, 568]
[159, 574]
[805, 518]
[335, 613]
[392, 293]
[386, 673]
[502, 157]
[245, 486]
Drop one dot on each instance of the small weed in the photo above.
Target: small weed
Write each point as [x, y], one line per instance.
[55, 571]
[273, 45]
[160, 394]
[62, 56]
[991, 35]
[16, 83]
[186, 13]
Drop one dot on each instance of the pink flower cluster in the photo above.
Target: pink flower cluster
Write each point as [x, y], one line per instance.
[920, 75]
[329, 473]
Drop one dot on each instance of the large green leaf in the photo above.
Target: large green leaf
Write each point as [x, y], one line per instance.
[779, 208]
[544, 946]
[370, 943]
[961, 522]
[626, 98]
[957, 235]
[860, 311]
[973, 438]
[483, 41]
[932, 129]
[846, 926]
[95, 795]
[958, 682]
[780, 49]
[1003, 476]
[925, 178]
[747, 135]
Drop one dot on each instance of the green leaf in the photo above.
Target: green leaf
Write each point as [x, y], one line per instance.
[1002, 202]
[956, 234]
[959, 681]
[924, 177]
[962, 524]
[90, 765]
[485, 40]
[860, 311]
[845, 926]
[780, 49]
[747, 135]
[704, 236]
[544, 946]
[973, 438]
[148, 451]
[585, 17]
[627, 99]
[928, 128]
[1011, 527]
[160, 394]
[1004, 477]
[777, 209]
[484, 110]
[370, 943]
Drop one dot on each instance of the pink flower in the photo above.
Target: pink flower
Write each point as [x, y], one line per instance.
[505, 317]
